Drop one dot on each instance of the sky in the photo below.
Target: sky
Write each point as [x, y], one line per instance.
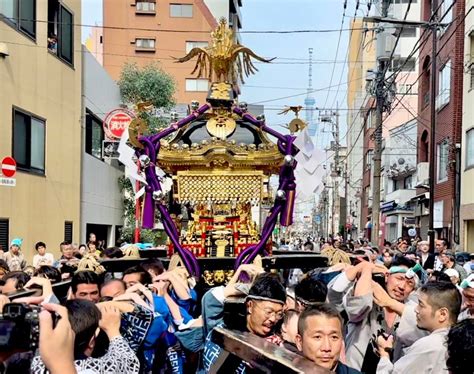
[288, 74]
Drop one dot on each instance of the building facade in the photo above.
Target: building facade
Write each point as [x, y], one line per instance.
[467, 146]
[148, 31]
[448, 107]
[101, 198]
[396, 47]
[40, 121]
[399, 165]
[361, 58]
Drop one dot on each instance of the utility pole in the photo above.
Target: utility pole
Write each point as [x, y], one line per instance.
[344, 221]
[335, 175]
[380, 96]
[434, 52]
[328, 116]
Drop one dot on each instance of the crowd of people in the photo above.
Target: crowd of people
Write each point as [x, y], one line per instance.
[396, 309]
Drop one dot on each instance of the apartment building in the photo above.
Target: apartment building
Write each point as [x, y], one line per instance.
[40, 121]
[149, 31]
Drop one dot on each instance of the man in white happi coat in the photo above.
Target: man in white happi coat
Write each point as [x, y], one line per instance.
[374, 308]
[438, 308]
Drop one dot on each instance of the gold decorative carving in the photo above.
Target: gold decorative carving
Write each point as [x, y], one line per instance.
[221, 124]
[221, 91]
[220, 186]
[296, 124]
[223, 60]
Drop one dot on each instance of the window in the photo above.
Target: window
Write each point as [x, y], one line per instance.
[471, 83]
[4, 234]
[191, 45]
[367, 195]
[446, 11]
[405, 89]
[403, 64]
[28, 141]
[181, 10]
[201, 85]
[145, 44]
[396, 183]
[144, 6]
[443, 158]
[20, 14]
[94, 135]
[368, 160]
[68, 231]
[60, 31]
[470, 148]
[371, 120]
[408, 183]
[444, 84]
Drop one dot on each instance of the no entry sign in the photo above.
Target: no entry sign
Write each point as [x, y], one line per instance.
[117, 122]
[8, 167]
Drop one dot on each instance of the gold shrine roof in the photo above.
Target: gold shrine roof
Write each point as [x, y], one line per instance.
[246, 148]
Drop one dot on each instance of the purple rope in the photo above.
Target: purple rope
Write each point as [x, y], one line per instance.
[184, 256]
[152, 146]
[249, 254]
[190, 261]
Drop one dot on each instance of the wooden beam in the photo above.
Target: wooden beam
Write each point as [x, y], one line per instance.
[306, 261]
[260, 354]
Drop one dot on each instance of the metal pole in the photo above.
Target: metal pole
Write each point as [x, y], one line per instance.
[377, 157]
[346, 182]
[136, 236]
[337, 201]
[431, 232]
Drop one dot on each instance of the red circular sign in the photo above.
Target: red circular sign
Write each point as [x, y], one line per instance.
[117, 122]
[8, 167]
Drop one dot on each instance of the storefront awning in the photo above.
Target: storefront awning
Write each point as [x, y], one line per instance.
[388, 206]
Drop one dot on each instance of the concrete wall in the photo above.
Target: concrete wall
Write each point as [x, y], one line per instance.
[361, 58]
[467, 173]
[401, 144]
[101, 200]
[36, 81]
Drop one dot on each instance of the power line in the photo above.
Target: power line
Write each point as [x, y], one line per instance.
[302, 94]
[303, 31]
[337, 49]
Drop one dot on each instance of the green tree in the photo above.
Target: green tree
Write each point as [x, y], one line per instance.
[137, 85]
[149, 83]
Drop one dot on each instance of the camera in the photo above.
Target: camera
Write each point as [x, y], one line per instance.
[19, 327]
[380, 279]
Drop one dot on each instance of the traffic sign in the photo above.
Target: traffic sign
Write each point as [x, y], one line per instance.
[317, 219]
[116, 122]
[10, 182]
[8, 167]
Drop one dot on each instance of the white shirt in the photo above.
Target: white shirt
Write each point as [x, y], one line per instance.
[426, 356]
[46, 259]
[467, 267]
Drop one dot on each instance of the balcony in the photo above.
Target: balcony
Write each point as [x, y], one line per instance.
[401, 197]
